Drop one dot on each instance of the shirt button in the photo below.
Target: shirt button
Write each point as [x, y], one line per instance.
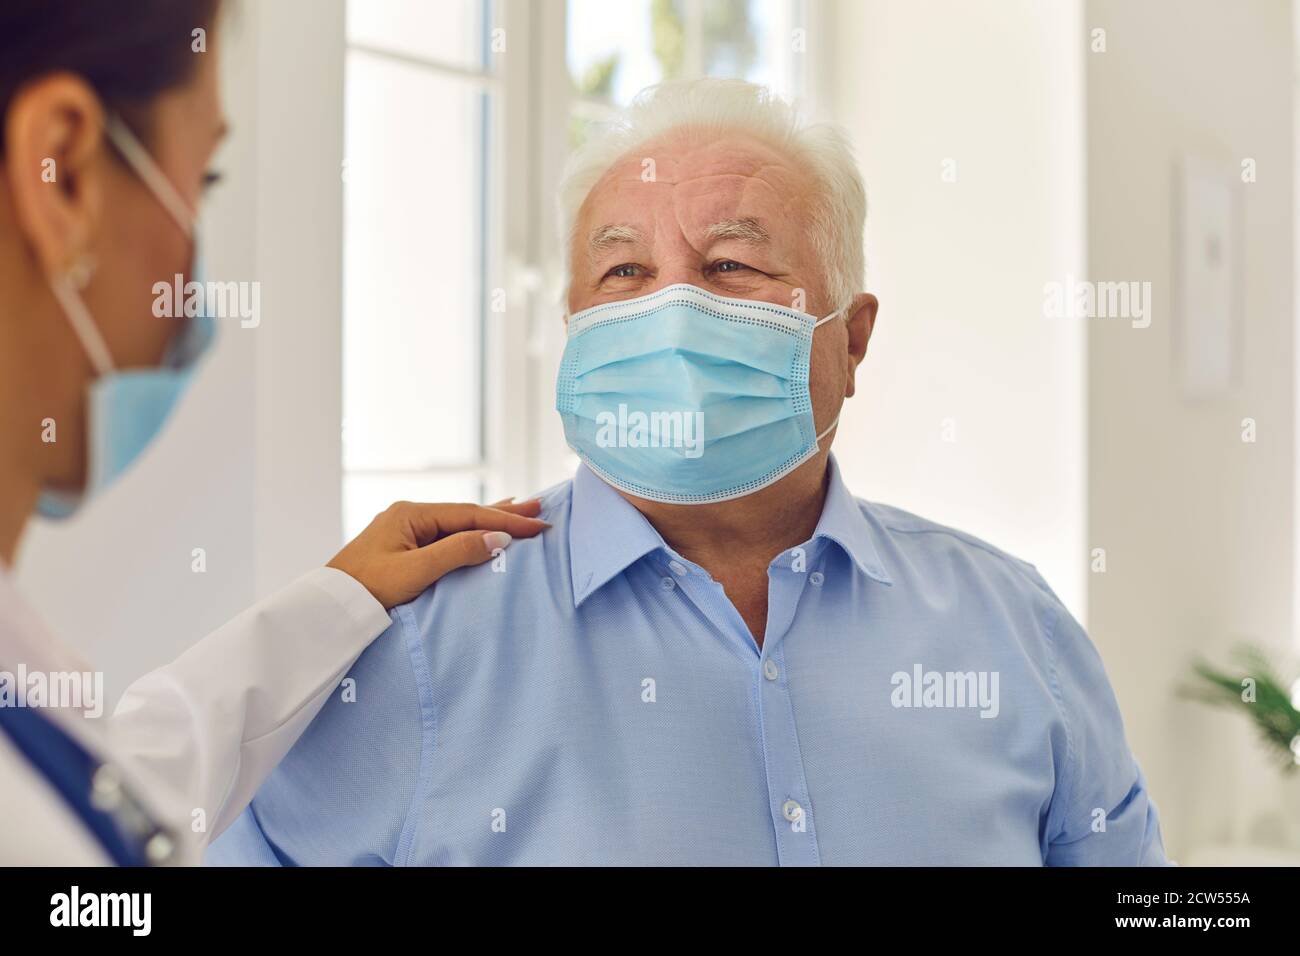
[677, 568]
[668, 584]
[770, 670]
[792, 810]
[816, 579]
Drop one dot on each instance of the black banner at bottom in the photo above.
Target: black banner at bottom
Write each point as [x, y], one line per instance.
[334, 905]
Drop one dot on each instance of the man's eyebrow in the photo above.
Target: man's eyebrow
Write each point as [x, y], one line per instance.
[608, 236]
[747, 230]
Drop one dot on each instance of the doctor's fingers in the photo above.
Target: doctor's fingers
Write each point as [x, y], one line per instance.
[459, 550]
[432, 521]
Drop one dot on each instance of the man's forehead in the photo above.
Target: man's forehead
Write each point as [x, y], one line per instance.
[698, 191]
[750, 230]
[674, 160]
[723, 194]
[622, 216]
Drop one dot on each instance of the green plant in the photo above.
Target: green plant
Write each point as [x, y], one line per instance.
[1254, 688]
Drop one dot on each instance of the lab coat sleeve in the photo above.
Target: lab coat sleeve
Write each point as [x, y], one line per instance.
[208, 728]
[349, 792]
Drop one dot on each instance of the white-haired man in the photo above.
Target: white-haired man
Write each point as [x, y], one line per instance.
[716, 655]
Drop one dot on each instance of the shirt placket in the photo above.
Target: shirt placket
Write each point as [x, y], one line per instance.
[789, 803]
[787, 788]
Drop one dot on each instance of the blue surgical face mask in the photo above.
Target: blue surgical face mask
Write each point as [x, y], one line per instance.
[127, 408]
[686, 397]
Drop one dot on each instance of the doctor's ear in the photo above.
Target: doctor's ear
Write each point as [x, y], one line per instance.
[54, 165]
[861, 322]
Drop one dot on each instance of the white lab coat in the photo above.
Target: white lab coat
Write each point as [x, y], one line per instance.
[201, 733]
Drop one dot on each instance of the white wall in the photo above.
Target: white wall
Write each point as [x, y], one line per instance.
[248, 469]
[1198, 526]
[299, 208]
[959, 268]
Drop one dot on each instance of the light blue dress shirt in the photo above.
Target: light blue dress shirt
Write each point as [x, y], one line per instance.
[920, 698]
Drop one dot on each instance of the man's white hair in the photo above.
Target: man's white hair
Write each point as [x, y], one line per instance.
[709, 106]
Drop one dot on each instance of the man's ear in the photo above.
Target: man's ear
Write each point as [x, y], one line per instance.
[862, 319]
[53, 164]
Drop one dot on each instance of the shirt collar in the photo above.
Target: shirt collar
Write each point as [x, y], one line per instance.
[607, 534]
[844, 522]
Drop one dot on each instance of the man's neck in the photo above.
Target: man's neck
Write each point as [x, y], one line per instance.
[745, 532]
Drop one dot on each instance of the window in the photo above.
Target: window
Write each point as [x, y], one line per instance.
[459, 115]
[611, 58]
[419, 96]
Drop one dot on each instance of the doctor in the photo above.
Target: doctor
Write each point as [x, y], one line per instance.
[107, 121]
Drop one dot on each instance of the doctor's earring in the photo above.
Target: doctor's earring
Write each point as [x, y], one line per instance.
[80, 272]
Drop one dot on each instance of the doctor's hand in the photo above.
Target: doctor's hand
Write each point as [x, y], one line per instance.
[410, 546]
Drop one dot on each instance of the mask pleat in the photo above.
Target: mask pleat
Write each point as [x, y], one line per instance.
[691, 402]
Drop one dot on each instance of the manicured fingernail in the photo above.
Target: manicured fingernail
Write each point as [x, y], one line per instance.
[495, 540]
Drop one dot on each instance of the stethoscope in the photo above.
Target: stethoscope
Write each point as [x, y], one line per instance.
[93, 790]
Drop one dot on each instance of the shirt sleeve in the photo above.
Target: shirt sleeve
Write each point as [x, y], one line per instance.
[345, 793]
[205, 730]
[1102, 813]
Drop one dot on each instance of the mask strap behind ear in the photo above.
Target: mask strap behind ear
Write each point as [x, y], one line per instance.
[82, 324]
[148, 170]
[827, 318]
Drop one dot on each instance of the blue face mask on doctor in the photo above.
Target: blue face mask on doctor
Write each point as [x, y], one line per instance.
[127, 408]
[685, 397]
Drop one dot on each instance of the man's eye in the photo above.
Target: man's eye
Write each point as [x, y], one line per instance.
[730, 265]
[625, 271]
[211, 178]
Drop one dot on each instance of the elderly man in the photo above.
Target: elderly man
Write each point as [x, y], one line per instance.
[716, 655]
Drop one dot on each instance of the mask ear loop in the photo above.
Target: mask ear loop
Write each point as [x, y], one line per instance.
[65, 287]
[827, 318]
[152, 175]
[148, 171]
[92, 340]
[831, 427]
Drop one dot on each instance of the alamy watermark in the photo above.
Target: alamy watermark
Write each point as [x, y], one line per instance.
[636, 429]
[222, 300]
[65, 690]
[1084, 299]
[946, 689]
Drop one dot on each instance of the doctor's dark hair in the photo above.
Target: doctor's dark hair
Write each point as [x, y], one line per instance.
[129, 51]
